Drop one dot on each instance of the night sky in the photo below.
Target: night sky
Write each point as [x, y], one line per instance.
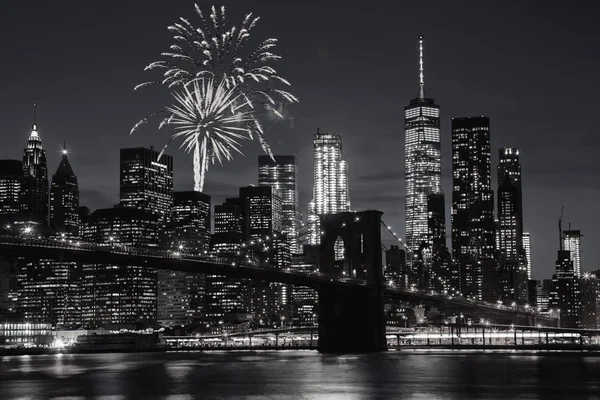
[531, 66]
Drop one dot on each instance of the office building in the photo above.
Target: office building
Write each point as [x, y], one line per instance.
[422, 164]
[64, 198]
[473, 227]
[11, 172]
[589, 287]
[527, 247]
[34, 185]
[119, 293]
[281, 173]
[511, 251]
[543, 290]
[572, 244]
[180, 294]
[146, 183]
[331, 192]
[566, 292]
[395, 267]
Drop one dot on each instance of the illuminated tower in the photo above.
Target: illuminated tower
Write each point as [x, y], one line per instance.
[281, 174]
[11, 172]
[473, 226]
[422, 163]
[34, 186]
[511, 252]
[331, 192]
[527, 247]
[572, 244]
[64, 198]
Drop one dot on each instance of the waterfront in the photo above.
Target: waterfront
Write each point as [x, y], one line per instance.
[300, 375]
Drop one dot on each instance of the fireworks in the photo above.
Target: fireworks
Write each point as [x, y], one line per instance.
[210, 119]
[217, 61]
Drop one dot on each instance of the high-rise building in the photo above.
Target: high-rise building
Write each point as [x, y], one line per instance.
[572, 244]
[331, 192]
[395, 267]
[589, 286]
[566, 293]
[511, 251]
[119, 293]
[11, 172]
[281, 174]
[225, 295]
[146, 183]
[180, 294]
[422, 164]
[527, 247]
[473, 227]
[64, 198]
[440, 270]
[263, 211]
[543, 290]
[34, 186]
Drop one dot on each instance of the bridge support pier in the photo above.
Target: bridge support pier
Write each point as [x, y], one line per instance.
[352, 319]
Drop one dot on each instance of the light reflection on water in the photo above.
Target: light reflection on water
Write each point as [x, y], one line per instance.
[303, 375]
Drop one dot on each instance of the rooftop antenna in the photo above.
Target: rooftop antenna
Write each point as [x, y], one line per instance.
[560, 239]
[421, 73]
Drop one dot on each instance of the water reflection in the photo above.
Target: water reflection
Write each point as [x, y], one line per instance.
[303, 375]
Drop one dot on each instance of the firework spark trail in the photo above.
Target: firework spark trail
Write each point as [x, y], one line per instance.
[214, 50]
[210, 118]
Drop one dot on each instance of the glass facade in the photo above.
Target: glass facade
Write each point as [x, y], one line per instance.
[281, 174]
[10, 187]
[146, 183]
[25, 334]
[473, 226]
[331, 191]
[572, 243]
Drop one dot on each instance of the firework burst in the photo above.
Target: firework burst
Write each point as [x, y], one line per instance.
[211, 120]
[214, 52]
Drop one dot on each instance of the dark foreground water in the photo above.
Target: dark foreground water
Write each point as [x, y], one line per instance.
[300, 375]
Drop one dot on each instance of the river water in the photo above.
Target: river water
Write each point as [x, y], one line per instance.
[283, 375]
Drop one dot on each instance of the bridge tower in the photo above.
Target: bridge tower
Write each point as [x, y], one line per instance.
[352, 320]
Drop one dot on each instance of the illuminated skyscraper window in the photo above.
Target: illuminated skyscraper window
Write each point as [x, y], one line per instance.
[422, 163]
[572, 244]
[331, 192]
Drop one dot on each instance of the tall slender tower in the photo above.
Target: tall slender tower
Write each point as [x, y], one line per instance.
[572, 244]
[422, 164]
[281, 174]
[473, 226]
[34, 186]
[331, 192]
[64, 198]
[511, 251]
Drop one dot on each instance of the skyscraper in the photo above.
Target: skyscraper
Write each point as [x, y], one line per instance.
[572, 244]
[119, 293]
[566, 292]
[281, 174]
[511, 252]
[262, 211]
[331, 192]
[11, 172]
[64, 198]
[180, 294]
[34, 186]
[473, 227]
[422, 163]
[146, 183]
[527, 247]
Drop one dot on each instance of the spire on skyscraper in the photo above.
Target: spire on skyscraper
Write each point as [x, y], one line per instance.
[34, 133]
[421, 73]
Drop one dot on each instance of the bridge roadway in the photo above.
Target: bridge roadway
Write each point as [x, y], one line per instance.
[214, 264]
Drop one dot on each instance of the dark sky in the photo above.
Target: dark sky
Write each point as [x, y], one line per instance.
[531, 66]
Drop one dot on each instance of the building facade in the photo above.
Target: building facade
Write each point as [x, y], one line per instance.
[572, 244]
[119, 293]
[146, 183]
[11, 172]
[566, 292]
[527, 247]
[473, 227]
[34, 185]
[422, 164]
[511, 251]
[64, 199]
[331, 191]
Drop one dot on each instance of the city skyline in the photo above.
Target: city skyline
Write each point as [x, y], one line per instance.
[97, 175]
